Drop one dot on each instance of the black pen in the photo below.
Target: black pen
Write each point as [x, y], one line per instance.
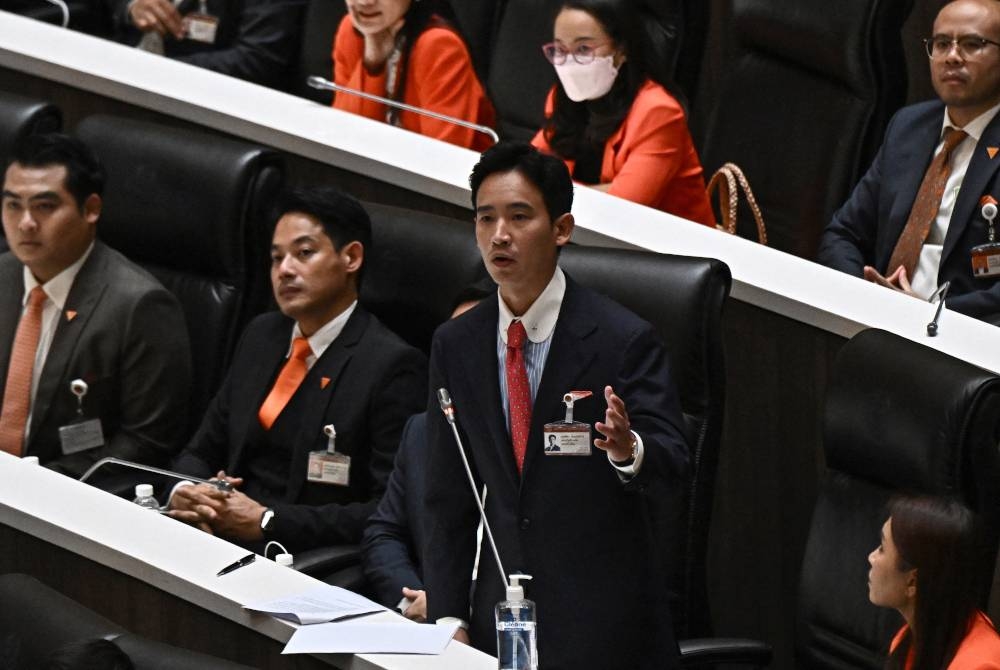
[246, 560]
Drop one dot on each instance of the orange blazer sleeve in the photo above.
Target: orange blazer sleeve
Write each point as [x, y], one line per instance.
[349, 70]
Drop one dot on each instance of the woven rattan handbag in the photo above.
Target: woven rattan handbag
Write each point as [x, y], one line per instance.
[727, 180]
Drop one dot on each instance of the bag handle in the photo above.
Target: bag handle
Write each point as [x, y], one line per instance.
[728, 179]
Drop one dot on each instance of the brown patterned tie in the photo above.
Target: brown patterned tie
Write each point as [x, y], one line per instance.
[286, 384]
[518, 392]
[17, 391]
[925, 207]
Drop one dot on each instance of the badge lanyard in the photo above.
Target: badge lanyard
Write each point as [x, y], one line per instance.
[80, 434]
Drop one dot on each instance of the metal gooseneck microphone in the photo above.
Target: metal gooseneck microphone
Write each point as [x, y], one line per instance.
[940, 294]
[217, 483]
[444, 399]
[327, 85]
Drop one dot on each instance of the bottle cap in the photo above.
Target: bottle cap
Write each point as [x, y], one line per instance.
[143, 490]
[514, 589]
[284, 560]
[31, 460]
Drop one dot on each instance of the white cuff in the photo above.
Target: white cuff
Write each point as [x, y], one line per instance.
[453, 619]
[174, 490]
[632, 469]
[404, 605]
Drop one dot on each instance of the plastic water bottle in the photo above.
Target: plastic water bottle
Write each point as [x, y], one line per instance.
[517, 639]
[144, 497]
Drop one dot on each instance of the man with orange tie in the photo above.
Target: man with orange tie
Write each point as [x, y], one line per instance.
[576, 520]
[94, 356]
[916, 220]
[308, 420]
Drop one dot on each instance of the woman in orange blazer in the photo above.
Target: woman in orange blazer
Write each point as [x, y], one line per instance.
[924, 568]
[617, 128]
[403, 50]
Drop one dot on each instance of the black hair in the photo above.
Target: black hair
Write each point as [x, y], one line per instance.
[342, 217]
[937, 537]
[578, 128]
[85, 175]
[90, 655]
[476, 291]
[547, 173]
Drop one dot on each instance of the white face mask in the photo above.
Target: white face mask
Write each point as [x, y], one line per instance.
[587, 82]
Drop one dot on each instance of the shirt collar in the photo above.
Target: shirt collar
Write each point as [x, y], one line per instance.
[57, 289]
[540, 319]
[976, 126]
[325, 336]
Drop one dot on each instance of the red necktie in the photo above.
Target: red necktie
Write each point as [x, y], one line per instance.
[286, 384]
[925, 207]
[17, 392]
[518, 392]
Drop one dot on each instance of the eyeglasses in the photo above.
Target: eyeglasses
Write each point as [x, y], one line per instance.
[583, 54]
[970, 47]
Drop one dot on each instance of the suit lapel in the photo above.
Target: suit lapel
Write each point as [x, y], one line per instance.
[569, 357]
[10, 315]
[318, 396]
[81, 304]
[260, 376]
[977, 177]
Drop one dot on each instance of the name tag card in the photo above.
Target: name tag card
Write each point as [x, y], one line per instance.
[327, 468]
[81, 436]
[568, 437]
[201, 27]
[986, 260]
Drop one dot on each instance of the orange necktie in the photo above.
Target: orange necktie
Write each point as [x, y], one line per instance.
[925, 207]
[518, 392]
[287, 382]
[17, 392]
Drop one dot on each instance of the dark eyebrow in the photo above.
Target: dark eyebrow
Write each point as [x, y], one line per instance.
[301, 239]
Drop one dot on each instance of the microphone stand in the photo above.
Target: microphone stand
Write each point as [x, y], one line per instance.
[327, 85]
[444, 399]
[940, 294]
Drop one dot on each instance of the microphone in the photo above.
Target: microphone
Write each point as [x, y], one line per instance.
[444, 399]
[111, 460]
[932, 327]
[327, 85]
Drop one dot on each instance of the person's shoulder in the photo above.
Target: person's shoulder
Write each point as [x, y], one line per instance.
[9, 263]
[123, 276]
[439, 41]
[609, 313]
[380, 337]
[653, 96]
[920, 112]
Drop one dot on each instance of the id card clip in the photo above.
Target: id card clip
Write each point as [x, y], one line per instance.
[329, 466]
[201, 26]
[80, 434]
[568, 437]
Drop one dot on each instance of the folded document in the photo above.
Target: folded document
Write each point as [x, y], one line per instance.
[327, 603]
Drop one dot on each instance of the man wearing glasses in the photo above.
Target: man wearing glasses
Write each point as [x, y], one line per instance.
[920, 217]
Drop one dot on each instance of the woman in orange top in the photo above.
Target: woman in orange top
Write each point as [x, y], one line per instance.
[923, 568]
[617, 128]
[403, 50]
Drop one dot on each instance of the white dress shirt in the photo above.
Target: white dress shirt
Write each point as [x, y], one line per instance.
[324, 337]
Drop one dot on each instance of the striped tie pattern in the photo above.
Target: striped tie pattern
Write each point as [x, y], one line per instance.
[17, 391]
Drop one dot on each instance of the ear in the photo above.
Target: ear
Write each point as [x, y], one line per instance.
[92, 207]
[563, 229]
[911, 584]
[353, 255]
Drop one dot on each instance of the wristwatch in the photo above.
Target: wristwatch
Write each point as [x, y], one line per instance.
[267, 520]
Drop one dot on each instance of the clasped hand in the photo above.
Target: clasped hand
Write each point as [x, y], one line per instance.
[228, 513]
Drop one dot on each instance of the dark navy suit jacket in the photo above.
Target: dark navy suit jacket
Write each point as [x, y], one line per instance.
[865, 230]
[391, 546]
[569, 521]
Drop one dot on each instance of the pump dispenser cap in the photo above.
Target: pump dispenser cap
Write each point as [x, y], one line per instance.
[514, 589]
[284, 559]
[143, 490]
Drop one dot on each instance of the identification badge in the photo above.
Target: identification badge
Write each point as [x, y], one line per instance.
[201, 27]
[568, 437]
[329, 466]
[986, 260]
[81, 436]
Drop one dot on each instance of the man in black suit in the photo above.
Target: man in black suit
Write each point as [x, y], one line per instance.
[866, 236]
[320, 366]
[575, 522]
[76, 314]
[255, 40]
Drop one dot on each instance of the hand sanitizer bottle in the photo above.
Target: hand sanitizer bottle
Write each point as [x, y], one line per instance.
[516, 637]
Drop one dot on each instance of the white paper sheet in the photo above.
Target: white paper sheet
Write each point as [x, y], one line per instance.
[357, 637]
[327, 603]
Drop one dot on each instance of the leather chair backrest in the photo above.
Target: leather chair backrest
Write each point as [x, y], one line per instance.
[316, 51]
[193, 209]
[803, 106]
[36, 620]
[899, 417]
[149, 654]
[683, 298]
[439, 251]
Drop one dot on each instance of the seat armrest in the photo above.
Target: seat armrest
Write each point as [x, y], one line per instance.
[710, 651]
[322, 561]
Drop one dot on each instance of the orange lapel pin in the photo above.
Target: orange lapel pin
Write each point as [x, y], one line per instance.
[992, 152]
[324, 382]
[70, 314]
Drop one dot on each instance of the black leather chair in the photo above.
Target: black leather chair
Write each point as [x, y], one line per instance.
[803, 106]
[899, 417]
[36, 621]
[20, 117]
[316, 50]
[683, 298]
[89, 16]
[192, 208]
